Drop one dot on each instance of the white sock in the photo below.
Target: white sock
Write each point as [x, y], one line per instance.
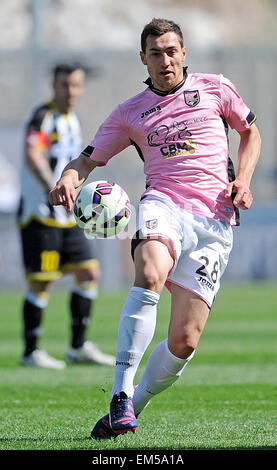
[162, 370]
[136, 329]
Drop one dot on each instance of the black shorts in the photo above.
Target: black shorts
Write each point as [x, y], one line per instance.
[49, 252]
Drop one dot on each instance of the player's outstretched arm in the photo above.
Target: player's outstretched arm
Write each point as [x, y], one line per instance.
[73, 176]
[248, 156]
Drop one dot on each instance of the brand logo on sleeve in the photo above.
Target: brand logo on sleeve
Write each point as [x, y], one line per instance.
[192, 98]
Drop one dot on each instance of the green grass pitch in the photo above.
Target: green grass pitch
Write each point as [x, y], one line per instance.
[225, 399]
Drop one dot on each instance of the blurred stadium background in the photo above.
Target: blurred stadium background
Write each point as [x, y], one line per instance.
[238, 39]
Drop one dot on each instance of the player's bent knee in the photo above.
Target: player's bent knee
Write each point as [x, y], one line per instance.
[39, 287]
[182, 351]
[87, 275]
[150, 278]
[183, 344]
[94, 274]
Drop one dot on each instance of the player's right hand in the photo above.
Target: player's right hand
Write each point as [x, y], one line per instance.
[63, 194]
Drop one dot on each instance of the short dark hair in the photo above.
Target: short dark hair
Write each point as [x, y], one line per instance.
[67, 68]
[158, 27]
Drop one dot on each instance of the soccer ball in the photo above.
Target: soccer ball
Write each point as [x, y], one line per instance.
[102, 209]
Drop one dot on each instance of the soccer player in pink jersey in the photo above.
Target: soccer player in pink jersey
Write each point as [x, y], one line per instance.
[179, 126]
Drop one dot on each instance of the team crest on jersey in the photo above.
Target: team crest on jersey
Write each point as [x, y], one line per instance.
[192, 98]
[151, 223]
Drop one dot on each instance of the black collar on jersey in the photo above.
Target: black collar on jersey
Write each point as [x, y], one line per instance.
[170, 92]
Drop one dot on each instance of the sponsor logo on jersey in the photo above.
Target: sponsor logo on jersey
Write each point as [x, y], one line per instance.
[192, 98]
[150, 111]
[166, 134]
[180, 148]
[173, 140]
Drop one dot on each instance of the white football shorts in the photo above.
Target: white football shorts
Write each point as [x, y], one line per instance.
[199, 246]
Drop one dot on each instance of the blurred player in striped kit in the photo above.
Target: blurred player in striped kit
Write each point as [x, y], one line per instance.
[51, 242]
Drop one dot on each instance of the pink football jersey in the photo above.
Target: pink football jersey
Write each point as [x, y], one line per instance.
[182, 138]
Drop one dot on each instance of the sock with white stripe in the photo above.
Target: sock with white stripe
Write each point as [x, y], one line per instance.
[32, 317]
[81, 304]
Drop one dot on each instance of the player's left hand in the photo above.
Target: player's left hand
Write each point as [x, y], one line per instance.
[243, 198]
